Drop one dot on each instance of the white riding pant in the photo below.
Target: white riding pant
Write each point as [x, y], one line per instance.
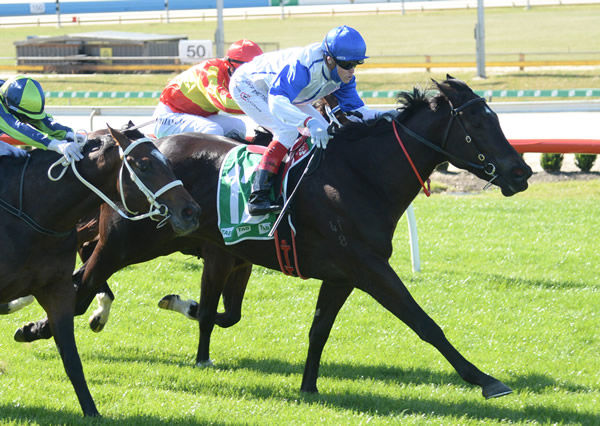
[252, 98]
[168, 122]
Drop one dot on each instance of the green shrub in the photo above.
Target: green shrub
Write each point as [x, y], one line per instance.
[585, 162]
[551, 162]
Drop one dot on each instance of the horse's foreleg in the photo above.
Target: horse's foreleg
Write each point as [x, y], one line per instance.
[15, 305]
[40, 329]
[384, 285]
[331, 299]
[59, 308]
[88, 280]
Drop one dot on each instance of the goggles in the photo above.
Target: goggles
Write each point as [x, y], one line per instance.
[348, 65]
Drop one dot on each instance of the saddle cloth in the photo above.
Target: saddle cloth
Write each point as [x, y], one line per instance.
[234, 188]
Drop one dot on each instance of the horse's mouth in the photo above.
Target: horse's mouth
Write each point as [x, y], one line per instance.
[516, 182]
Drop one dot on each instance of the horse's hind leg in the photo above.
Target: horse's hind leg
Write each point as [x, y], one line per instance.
[15, 305]
[233, 295]
[331, 298]
[59, 308]
[218, 266]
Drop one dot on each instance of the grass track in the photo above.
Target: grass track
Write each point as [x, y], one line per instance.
[513, 282]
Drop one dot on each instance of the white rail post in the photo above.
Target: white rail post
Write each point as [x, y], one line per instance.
[414, 239]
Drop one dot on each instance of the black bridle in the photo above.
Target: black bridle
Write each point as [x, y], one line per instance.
[455, 116]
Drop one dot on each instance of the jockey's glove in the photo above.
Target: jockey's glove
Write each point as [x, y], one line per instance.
[70, 150]
[318, 133]
[78, 137]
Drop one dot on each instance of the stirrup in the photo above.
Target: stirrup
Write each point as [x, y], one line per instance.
[262, 205]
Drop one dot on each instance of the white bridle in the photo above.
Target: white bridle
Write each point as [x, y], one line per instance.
[156, 210]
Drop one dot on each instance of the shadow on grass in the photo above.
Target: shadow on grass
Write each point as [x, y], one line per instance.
[38, 415]
[384, 406]
[535, 383]
[361, 401]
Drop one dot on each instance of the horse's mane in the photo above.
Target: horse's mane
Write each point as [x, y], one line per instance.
[408, 102]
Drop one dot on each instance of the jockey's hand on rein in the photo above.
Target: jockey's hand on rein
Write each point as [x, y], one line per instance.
[388, 116]
[70, 150]
[318, 133]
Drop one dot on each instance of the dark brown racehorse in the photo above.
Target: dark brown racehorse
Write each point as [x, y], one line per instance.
[345, 214]
[38, 241]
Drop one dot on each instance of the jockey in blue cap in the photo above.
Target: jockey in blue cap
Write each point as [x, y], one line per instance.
[276, 90]
[22, 117]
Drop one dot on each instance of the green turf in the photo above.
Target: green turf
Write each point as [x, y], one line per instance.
[514, 283]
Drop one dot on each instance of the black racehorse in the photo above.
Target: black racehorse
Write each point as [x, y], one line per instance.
[345, 214]
[38, 241]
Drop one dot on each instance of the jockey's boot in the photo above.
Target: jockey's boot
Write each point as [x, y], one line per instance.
[259, 202]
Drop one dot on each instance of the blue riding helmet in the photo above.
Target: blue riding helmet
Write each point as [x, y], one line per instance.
[345, 44]
[25, 96]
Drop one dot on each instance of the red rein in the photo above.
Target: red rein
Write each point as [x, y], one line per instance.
[425, 190]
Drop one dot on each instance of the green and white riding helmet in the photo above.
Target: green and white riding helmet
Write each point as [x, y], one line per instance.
[24, 95]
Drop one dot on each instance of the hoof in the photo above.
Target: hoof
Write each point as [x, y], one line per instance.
[205, 364]
[495, 390]
[20, 336]
[95, 324]
[168, 301]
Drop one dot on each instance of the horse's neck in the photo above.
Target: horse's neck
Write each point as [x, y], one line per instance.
[386, 168]
[66, 200]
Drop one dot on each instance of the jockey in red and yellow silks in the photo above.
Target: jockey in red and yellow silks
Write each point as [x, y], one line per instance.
[191, 102]
[201, 90]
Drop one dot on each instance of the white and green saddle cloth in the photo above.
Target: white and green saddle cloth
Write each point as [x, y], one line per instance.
[235, 181]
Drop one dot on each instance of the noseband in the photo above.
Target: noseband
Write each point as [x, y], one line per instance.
[156, 210]
[455, 116]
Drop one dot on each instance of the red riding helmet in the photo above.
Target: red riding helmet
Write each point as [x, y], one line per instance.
[242, 51]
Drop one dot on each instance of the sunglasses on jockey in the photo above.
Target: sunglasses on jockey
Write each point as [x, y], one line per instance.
[348, 65]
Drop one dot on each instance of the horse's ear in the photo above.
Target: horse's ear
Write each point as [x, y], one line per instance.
[449, 77]
[119, 137]
[438, 85]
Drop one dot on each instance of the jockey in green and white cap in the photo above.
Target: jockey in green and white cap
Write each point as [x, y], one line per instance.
[22, 117]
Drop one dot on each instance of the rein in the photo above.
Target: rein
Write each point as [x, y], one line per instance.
[454, 113]
[19, 213]
[156, 210]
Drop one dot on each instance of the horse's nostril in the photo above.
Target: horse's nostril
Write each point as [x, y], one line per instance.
[521, 173]
[191, 212]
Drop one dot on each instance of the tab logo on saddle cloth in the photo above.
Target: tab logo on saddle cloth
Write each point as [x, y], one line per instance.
[235, 182]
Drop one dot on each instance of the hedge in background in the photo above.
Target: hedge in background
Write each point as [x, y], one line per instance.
[551, 162]
[585, 162]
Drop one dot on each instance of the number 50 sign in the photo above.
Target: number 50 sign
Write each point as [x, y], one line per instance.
[195, 50]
